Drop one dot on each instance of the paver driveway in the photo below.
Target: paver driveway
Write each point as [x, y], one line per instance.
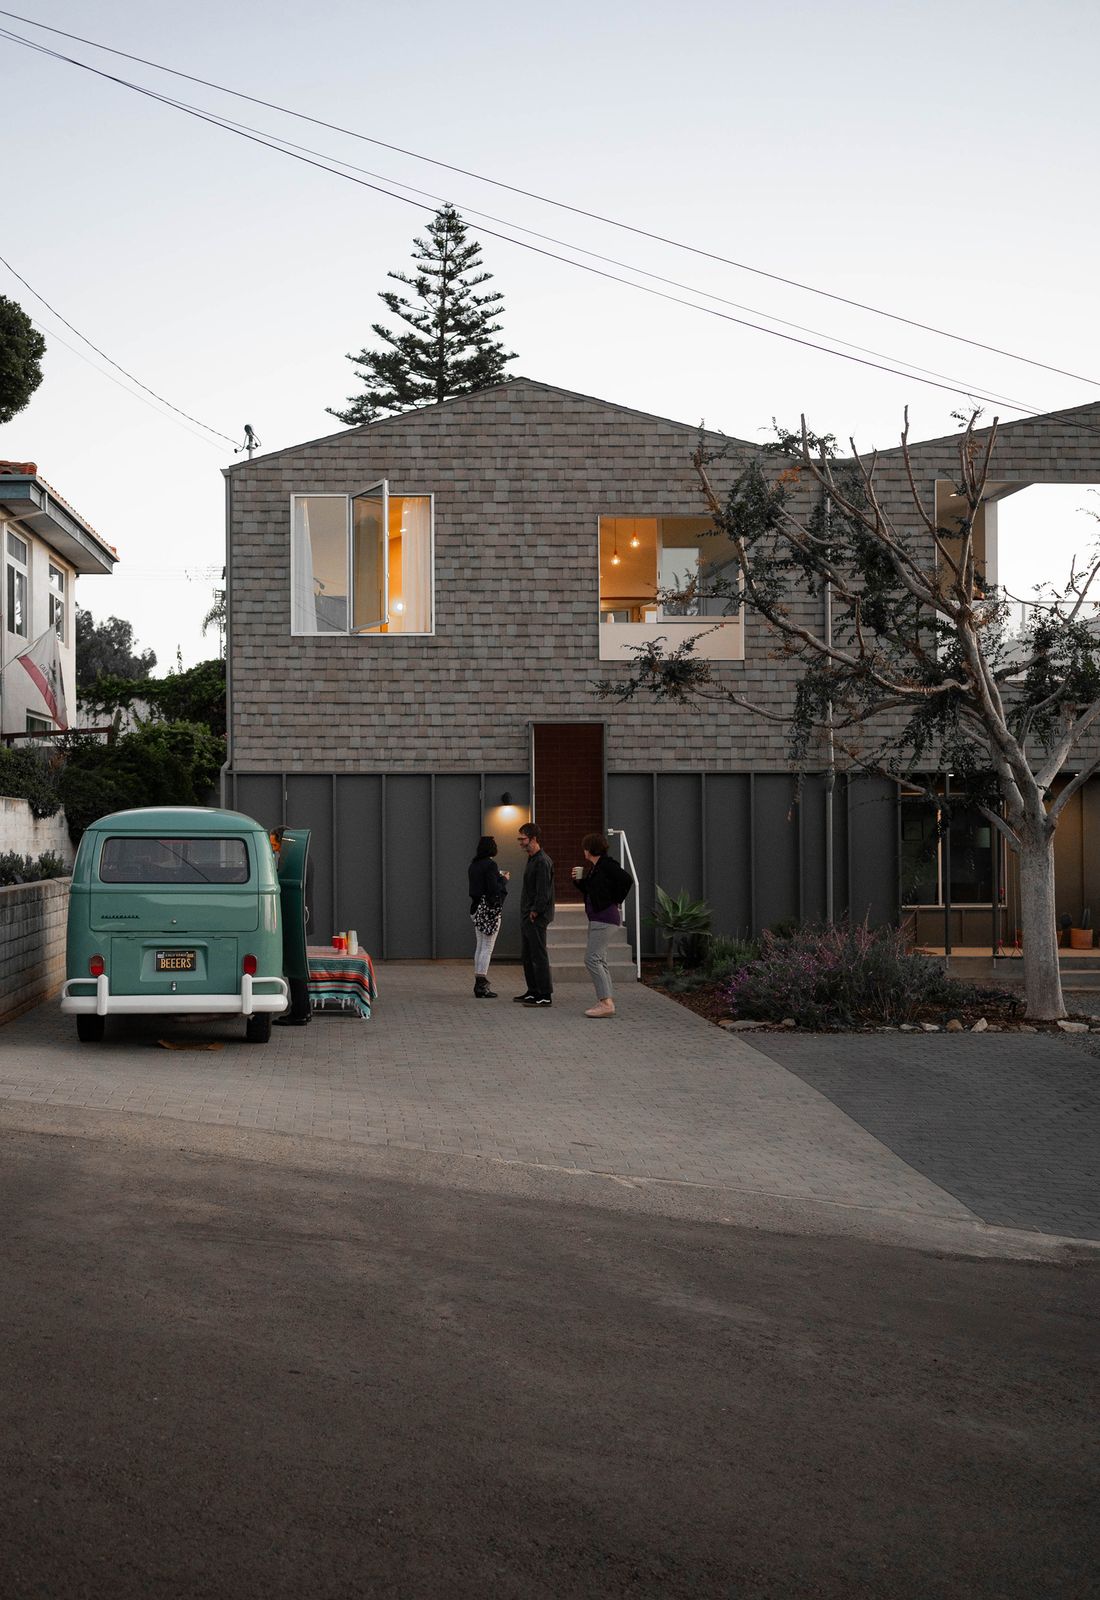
[654, 1093]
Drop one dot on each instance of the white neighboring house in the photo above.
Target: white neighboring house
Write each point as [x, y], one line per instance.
[44, 546]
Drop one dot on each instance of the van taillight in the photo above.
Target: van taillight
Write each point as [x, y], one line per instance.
[249, 965]
[97, 966]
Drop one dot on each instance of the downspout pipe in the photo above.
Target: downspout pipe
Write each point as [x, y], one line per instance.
[830, 755]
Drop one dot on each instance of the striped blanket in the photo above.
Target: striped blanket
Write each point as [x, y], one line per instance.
[340, 982]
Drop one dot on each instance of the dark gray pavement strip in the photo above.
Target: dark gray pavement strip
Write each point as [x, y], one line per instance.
[1010, 1125]
[218, 1384]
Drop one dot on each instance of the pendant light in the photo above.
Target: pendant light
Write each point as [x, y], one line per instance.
[615, 557]
[635, 542]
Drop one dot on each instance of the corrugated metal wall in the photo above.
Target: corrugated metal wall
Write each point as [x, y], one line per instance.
[390, 852]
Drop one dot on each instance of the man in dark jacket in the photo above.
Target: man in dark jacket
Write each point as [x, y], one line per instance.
[536, 911]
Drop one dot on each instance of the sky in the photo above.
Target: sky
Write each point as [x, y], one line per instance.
[933, 159]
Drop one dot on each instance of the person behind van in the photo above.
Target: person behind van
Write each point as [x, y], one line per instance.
[604, 885]
[488, 889]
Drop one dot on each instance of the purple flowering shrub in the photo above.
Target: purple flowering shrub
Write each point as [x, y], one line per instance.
[840, 977]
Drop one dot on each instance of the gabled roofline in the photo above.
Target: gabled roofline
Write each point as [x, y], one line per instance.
[475, 398]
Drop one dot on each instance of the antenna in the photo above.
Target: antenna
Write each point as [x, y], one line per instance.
[250, 442]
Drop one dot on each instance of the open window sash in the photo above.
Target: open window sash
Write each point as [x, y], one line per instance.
[369, 577]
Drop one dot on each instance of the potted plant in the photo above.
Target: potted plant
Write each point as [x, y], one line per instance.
[1081, 938]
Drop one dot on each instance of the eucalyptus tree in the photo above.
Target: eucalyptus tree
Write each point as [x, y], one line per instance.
[918, 671]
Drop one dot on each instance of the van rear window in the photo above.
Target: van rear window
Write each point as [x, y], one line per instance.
[145, 860]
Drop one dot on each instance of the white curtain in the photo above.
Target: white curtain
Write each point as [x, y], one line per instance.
[416, 563]
[303, 592]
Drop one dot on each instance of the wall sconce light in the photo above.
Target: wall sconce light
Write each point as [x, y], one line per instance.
[506, 798]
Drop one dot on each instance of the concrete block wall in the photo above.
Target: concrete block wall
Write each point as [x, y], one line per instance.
[28, 835]
[32, 944]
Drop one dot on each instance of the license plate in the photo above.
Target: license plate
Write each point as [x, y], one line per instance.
[175, 961]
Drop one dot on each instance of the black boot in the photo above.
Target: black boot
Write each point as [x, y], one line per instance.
[482, 990]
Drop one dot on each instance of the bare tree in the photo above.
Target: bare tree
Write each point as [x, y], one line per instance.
[918, 671]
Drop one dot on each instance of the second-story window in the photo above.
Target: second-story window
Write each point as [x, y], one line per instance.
[361, 563]
[17, 585]
[57, 601]
[669, 578]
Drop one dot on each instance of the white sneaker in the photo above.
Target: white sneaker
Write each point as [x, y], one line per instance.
[602, 1008]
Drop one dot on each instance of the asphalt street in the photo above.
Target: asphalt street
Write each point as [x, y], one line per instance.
[227, 1374]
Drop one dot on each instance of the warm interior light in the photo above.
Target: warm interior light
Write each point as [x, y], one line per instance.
[635, 542]
[615, 559]
[399, 606]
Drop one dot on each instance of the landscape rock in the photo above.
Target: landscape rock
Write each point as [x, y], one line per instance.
[908, 1027]
[788, 1022]
[741, 1024]
[930, 1027]
[1025, 1027]
[980, 1026]
[1074, 1027]
[954, 1026]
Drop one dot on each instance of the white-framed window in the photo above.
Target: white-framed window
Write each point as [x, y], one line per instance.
[57, 601]
[362, 563]
[38, 724]
[643, 561]
[17, 585]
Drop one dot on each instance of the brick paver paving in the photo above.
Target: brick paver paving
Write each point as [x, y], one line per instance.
[1009, 1124]
[655, 1093]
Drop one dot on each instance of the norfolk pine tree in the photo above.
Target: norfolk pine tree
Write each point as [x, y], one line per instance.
[451, 349]
[21, 350]
[919, 672]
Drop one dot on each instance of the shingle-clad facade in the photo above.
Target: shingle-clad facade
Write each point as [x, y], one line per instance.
[397, 748]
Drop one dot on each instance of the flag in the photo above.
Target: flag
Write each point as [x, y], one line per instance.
[43, 664]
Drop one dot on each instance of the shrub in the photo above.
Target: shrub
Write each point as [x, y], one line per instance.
[15, 868]
[27, 775]
[726, 955]
[841, 977]
[161, 764]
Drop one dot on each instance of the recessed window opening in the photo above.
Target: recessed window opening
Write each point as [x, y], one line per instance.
[924, 855]
[362, 563]
[665, 576]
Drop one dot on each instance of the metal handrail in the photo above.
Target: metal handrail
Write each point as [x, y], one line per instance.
[627, 860]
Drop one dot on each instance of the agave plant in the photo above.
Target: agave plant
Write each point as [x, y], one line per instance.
[679, 920]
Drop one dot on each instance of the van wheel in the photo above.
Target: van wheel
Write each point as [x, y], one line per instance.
[257, 1030]
[89, 1029]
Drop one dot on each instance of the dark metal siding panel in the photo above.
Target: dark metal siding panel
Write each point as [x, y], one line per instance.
[309, 805]
[408, 867]
[630, 806]
[729, 883]
[679, 840]
[260, 795]
[358, 813]
[775, 848]
[812, 807]
[458, 826]
[873, 865]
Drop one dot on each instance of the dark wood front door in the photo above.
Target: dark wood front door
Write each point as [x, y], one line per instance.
[568, 760]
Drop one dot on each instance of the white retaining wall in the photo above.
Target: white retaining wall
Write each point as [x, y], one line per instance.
[31, 836]
[32, 943]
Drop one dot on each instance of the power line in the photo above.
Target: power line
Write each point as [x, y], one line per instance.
[529, 194]
[968, 392]
[54, 312]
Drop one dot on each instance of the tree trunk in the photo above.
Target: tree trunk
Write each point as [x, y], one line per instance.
[1042, 977]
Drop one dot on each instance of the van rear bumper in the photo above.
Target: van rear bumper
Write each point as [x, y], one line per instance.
[102, 1003]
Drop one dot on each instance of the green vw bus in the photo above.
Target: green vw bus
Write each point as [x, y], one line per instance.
[175, 911]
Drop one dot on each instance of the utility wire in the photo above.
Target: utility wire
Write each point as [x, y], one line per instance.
[54, 311]
[627, 266]
[561, 205]
[966, 391]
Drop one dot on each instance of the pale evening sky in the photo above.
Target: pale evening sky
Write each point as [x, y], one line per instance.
[934, 159]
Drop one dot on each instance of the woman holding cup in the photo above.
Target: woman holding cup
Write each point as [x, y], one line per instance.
[604, 885]
[488, 888]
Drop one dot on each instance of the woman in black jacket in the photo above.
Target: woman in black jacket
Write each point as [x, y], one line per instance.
[605, 885]
[488, 888]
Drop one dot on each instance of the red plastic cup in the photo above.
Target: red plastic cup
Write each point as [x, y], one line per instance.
[337, 942]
